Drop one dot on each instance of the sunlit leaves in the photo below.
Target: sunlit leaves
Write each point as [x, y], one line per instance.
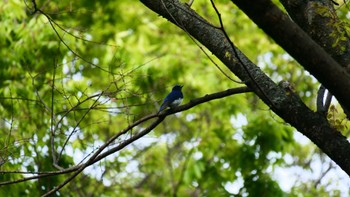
[113, 62]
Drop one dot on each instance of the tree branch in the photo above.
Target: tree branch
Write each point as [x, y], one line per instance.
[98, 155]
[300, 46]
[319, 19]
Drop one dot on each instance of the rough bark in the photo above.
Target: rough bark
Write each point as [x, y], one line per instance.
[319, 20]
[298, 44]
[283, 102]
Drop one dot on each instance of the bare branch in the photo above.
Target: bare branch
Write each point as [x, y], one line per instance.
[99, 154]
[74, 130]
[40, 175]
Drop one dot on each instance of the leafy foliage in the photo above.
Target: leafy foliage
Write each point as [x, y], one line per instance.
[73, 78]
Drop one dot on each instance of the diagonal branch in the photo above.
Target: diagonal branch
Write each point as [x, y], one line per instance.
[299, 45]
[319, 19]
[192, 103]
[98, 155]
[189, 105]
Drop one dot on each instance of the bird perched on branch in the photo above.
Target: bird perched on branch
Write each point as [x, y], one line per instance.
[173, 99]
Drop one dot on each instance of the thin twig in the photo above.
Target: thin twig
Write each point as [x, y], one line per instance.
[78, 123]
[271, 104]
[98, 155]
[199, 46]
[52, 24]
[53, 128]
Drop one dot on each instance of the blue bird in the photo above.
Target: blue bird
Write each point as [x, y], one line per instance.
[173, 99]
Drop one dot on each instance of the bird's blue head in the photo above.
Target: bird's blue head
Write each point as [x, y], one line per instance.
[177, 88]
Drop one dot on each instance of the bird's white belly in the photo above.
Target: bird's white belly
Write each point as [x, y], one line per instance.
[176, 102]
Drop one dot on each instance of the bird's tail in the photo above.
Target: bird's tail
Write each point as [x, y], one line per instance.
[161, 108]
